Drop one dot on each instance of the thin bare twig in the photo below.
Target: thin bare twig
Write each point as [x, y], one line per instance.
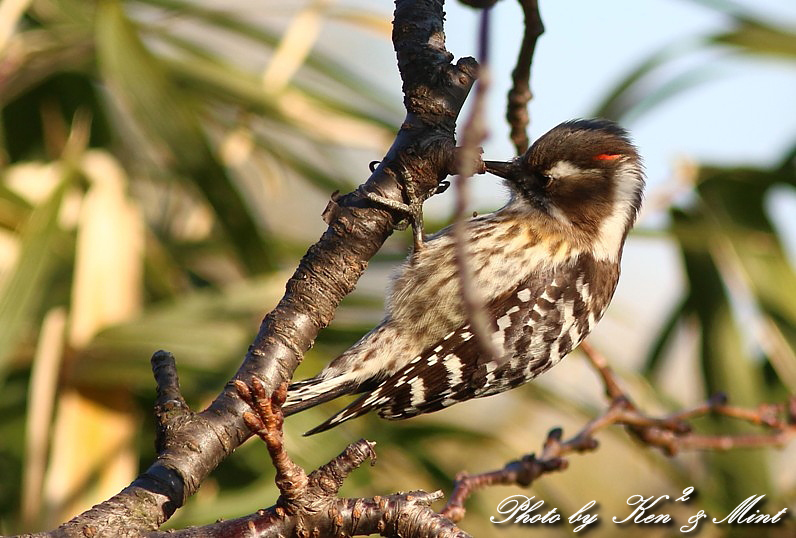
[671, 434]
[612, 388]
[520, 93]
[473, 136]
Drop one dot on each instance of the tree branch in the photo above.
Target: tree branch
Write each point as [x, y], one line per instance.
[435, 90]
[520, 93]
[671, 434]
[308, 505]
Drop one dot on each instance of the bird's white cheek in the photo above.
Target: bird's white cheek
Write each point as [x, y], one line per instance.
[563, 169]
[614, 227]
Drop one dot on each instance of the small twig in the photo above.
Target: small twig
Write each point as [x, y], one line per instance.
[612, 388]
[712, 403]
[340, 467]
[164, 368]
[467, 155]
[171, 411]
[764, 415]
[520, 93]
[672, 434]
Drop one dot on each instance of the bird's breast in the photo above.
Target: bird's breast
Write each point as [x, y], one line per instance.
[501, 253]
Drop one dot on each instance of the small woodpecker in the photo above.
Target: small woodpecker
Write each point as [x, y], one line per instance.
[547, 264]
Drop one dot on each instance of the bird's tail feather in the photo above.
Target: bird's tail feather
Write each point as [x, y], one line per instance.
[315, 391]
[339, 378]
[358, 407]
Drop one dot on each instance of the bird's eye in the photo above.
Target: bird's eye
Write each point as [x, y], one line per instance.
[544, 179]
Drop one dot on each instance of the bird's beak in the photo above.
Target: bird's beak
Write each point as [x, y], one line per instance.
[506, 169]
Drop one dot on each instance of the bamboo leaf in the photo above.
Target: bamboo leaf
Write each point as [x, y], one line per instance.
[317, 61]
[758, 38]
[755, 257]
[23, 288]
[638, 92]
[725, 368]
[622, 97]
[142, 84]
[654, 359]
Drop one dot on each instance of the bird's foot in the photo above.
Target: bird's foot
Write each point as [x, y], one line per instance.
[413, 209]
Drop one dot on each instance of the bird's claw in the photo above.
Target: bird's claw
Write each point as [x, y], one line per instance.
[413, 210]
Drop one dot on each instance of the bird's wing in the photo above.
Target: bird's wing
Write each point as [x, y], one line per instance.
[530, 326]
[534, 326]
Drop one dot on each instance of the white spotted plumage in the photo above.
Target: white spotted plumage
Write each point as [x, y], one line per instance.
[547, 262]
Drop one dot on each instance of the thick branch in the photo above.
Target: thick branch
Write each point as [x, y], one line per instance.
[308, 506]
[399, 515]
[435, 91]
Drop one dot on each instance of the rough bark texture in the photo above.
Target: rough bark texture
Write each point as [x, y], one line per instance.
[192, 444]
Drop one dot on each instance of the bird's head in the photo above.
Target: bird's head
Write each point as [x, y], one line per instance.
[584, 175]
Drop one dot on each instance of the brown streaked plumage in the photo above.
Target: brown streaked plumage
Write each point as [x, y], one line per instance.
[548, 262]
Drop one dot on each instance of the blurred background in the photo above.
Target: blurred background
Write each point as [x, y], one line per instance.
[164, 165]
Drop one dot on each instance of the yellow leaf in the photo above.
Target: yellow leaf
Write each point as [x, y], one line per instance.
[108, 279]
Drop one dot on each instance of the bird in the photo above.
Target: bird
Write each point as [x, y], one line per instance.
[546, 264]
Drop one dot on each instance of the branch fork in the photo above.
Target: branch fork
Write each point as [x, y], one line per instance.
[308, 504]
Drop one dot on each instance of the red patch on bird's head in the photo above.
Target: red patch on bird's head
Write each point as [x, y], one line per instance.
[607, 156]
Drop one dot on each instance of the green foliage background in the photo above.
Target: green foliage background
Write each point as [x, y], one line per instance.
[203, 146]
